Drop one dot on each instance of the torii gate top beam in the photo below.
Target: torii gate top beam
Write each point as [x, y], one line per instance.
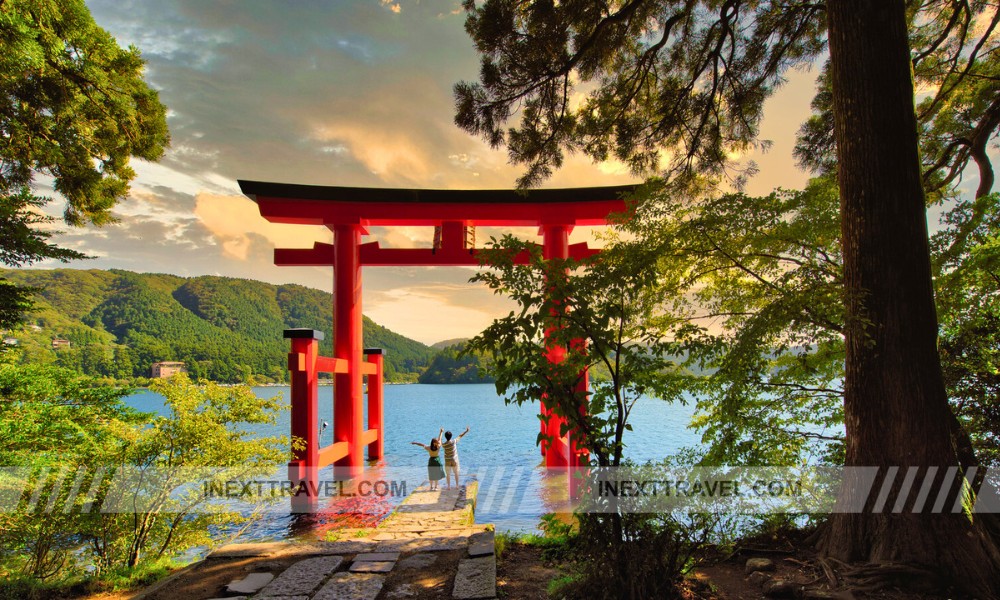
[330, 205]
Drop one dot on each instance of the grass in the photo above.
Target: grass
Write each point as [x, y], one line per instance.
[22, 587]
[503, 540]
[558, 586]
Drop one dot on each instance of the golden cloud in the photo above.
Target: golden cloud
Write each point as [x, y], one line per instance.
[233, 219]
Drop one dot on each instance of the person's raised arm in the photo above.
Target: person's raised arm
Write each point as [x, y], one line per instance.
[424, 446]
[467, 427]
[440, 433]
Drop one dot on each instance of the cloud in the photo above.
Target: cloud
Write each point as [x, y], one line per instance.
[330, 93]
[432, 313]
[234, 220]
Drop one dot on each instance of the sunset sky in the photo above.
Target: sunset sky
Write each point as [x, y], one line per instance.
[350, 93]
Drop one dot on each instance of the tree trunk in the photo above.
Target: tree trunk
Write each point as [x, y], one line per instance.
[895, 405]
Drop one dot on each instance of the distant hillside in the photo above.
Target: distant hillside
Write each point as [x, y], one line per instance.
[449, 366]
[449, 343]
[119, 323]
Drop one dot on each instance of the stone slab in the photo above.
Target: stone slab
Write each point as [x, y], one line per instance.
[302, 577]
[422, 545]
[249, 550]
[446, 532]
[481, 549]
[482, 543]
[330, 548]
[391, 556]
[373, 566]
[476, 578]
[250, 584]
[478, 535]
[351, 586]
[418, 561]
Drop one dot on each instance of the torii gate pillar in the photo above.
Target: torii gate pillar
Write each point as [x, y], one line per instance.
[561, 451]
[348, 387]
[555, 244]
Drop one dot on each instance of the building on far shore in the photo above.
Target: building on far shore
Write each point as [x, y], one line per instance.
[167, 368]
[60, 343]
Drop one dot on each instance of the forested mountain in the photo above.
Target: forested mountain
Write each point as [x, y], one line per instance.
[449, 343]
[451, 366]
[119, 323]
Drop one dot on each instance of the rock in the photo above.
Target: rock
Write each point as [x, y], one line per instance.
[476, 578]
[782, 588]
[250, 584]
[759, 564]
[758, 578]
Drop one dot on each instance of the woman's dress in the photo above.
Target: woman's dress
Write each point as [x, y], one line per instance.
[435, 472]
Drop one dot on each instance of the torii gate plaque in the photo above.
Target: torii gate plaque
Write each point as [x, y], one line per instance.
[348, 212]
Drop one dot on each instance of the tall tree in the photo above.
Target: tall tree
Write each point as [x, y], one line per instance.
[74, 109]
[895, 407]
[676, 88]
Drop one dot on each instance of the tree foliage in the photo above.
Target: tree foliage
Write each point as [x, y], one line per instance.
[753, 286]
[61, 433]
[25, 241]
[670, 87]
[676, 88]
[956, 66]
[75, 107]
[967, 265]
[584, 317]
[205, 432]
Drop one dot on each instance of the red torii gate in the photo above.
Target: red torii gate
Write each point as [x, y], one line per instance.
[348, 212]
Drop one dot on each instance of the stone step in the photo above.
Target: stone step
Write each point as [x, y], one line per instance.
[476, 578]
[248, 550]
[302, 577]
[250, 584]
[351, 586]
[372, 566]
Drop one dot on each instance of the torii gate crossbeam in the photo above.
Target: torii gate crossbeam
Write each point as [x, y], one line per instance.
[348, 212]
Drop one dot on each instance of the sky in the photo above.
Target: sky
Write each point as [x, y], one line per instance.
[346, 93]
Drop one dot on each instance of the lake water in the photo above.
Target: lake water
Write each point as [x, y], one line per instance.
[500, 450]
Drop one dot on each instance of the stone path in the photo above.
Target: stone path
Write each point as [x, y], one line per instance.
[422, 536]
